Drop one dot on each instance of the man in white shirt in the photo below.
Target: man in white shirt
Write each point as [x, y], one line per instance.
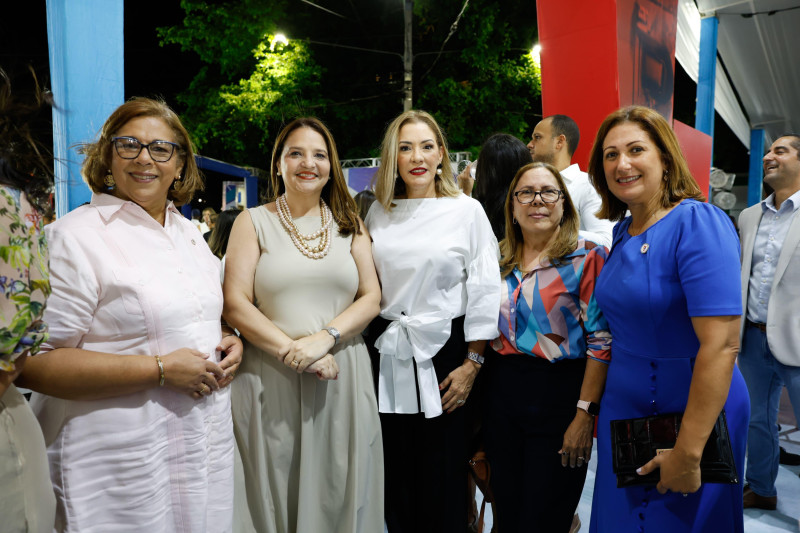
[553, 141]
[769, 356]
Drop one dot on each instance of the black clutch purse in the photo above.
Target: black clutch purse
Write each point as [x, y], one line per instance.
[635, 441]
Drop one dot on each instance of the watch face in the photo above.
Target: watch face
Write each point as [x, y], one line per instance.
[594, 408]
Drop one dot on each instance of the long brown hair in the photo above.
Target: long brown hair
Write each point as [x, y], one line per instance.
[335, 192]
[678, 183]
[99, 153]
[511, 253]
[26, 163]
[386, 180]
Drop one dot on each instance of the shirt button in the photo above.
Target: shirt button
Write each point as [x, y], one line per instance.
[180, 270]
[512, 310]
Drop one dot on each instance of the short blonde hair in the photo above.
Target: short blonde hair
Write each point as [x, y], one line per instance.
[387, 182]
[99, 153]
[678, 183]
[567, 240]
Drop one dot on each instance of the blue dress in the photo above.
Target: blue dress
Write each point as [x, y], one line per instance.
[648, 294]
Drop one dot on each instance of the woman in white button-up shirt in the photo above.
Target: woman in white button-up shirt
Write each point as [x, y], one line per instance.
[130, 387]
[437, 259]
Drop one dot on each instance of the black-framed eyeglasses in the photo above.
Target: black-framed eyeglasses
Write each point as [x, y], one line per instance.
[548, 196]
[131, 147]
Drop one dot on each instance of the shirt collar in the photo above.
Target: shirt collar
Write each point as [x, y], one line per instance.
[570, 172]
[769, 202]
[577, 252]
[108, 205]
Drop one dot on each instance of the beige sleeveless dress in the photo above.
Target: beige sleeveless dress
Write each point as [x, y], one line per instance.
[311, 451]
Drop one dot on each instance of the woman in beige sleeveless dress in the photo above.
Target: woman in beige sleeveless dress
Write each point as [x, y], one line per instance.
[300, 286]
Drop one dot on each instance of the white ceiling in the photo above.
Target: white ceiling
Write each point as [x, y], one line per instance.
[760, 54]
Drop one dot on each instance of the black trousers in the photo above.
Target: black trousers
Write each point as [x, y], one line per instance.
[530, 404]
[425, 459]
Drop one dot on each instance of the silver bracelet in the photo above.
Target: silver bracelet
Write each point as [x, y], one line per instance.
[475, 357]
[334, 333]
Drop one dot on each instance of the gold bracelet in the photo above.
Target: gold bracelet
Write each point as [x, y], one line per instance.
[162, 377]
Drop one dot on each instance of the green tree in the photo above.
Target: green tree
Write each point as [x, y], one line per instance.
[482, 82]
[246, 89]
[492, 83]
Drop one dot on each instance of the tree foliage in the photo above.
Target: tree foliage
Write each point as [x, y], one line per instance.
[483, 81]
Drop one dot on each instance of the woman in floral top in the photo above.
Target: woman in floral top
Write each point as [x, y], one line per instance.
[554, 351]
[27, 502]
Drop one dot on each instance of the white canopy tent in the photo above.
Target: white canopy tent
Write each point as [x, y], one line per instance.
[759, 53]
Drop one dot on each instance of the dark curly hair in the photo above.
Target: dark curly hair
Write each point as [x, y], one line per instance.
[26, 163]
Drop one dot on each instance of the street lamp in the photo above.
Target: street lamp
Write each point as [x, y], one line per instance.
[279, 38]
[536, 55]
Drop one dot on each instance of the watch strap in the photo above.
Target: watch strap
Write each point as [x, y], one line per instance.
[334, 333]
[475, 357]
[590, 407]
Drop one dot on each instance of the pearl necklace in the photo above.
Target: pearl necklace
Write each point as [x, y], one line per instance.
[301, 241]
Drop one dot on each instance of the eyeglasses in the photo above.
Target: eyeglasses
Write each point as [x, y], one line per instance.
[548, 196]
[131, 147]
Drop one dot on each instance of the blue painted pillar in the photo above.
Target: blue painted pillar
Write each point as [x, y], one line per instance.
[706, 80]
[251, 190]
[756, 175]
[87, 77]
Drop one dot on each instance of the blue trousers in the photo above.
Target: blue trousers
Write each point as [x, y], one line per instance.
[765, 377]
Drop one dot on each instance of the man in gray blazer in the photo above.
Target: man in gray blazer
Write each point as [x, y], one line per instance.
[770, 352]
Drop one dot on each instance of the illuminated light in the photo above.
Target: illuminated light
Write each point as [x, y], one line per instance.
[536, 55]
[279, 38]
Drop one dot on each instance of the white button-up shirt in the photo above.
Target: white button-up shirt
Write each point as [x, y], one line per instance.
[587, 202]
[437, 259]
[772, 231]
[156, 460]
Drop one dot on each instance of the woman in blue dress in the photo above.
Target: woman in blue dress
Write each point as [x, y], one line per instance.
[671, 293]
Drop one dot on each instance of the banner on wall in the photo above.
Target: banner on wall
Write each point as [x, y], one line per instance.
[646, 32]
[602, 55]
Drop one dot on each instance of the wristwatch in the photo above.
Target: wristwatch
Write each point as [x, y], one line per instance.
[334, 333]
[475, 357]
[590, 407]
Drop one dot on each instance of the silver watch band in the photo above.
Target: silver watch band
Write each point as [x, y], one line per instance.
[476, 357]
[334, 333]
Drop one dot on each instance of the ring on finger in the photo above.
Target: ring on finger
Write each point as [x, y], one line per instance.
[295, 363]
[459, 402]
[581, 459]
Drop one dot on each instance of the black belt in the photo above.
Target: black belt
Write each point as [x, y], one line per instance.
[758, 325]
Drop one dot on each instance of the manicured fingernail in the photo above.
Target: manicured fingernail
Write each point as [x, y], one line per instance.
[639, 470]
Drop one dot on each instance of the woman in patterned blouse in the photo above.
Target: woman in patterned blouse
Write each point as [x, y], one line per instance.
[27, 502]
[554, 349]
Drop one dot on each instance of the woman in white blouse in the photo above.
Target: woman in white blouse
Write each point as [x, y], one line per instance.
[130, 387]
[437, 259]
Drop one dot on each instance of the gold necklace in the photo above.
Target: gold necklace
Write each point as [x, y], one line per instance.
[303, 242]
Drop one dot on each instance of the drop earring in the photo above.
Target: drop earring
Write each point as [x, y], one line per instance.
[109, 180]
[439, 170]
